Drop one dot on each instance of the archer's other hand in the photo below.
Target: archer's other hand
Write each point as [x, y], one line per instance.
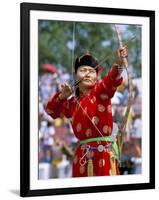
[66, 91]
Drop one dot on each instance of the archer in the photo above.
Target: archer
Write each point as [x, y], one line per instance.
[91, 113]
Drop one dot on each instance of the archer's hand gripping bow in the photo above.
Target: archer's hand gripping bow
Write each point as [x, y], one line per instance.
[130, 86]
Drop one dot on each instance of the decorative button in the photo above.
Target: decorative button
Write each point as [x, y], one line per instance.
[101, 108]
[49, 111]
[82, 169]
[93, 99]
[100, 148]
[88, 132]
[109, 109]
[104, 85]
[78, 127]
[113, 88]
[95, 120]
[105, 129]
[104, 96]
[109, 129]
[101, 163]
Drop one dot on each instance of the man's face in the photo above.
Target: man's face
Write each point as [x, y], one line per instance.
[89, 74]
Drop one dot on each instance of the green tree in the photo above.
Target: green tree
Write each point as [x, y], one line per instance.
[56, 43]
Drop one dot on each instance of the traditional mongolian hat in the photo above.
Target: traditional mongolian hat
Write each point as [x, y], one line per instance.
[86, 60]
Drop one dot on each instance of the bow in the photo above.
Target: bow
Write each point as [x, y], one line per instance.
[130, 97]
[130, 88]
[122, 126]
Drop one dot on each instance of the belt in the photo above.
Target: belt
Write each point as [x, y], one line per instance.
[100, 148]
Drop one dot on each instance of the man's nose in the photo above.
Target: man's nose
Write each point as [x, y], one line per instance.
[87, 73]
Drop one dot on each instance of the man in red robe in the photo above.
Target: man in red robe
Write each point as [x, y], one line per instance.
[90, 109]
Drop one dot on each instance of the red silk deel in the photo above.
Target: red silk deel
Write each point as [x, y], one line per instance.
[91, 117]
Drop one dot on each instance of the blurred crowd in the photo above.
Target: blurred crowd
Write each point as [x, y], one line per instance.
[57, 141]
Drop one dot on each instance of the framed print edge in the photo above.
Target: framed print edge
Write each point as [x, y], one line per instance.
[25, 189]
[25, 104]
[152, 99]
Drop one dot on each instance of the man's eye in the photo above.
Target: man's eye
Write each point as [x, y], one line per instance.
[83, 70]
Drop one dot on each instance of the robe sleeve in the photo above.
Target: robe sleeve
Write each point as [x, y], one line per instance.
[58, 108]
[109, 83]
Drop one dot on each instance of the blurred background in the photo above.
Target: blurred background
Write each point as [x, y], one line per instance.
[59, 44]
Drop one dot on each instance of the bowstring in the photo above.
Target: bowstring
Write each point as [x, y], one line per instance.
[89, 117]
[101, 62]
[76, 99]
